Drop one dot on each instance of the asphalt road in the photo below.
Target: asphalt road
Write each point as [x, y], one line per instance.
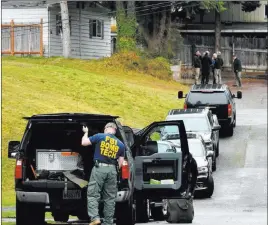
[240, 195]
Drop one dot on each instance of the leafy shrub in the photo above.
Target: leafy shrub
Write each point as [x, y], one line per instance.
[158, 67]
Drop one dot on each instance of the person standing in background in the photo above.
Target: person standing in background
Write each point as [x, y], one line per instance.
[197, 66]
[205, 63]
[213, 60]
[218, 68]
[237, 70]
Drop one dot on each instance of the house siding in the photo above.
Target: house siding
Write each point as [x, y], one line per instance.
[82, 46]
[234, 13]
[28, 16]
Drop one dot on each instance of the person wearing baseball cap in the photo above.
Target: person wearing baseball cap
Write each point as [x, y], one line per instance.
[109, 152]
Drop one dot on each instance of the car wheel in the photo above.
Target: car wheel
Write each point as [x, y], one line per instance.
[230, 131]
[60, 216]
[214, 164]
[234, 124]
[142, 210]
[29, 213]
[159, 213]
[83, 217]
[217, 149]
[210, 187]
[126, 213]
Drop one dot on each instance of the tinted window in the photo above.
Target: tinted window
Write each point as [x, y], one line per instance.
[208, 98]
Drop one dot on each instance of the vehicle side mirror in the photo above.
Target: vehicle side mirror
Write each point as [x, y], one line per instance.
[180, 94]
[216, 127]
[239, 94]
[13, 148]
[210, 153]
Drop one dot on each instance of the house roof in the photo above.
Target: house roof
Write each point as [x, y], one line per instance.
[226, 28]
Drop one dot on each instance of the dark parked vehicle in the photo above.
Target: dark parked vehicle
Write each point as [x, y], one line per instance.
[218, 98]
[52, 169]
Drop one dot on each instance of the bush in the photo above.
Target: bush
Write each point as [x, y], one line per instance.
[158, 67]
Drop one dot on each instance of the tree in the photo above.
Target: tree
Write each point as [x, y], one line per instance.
[66, 39]
[154, 25]
[218, 7]
[126, 25]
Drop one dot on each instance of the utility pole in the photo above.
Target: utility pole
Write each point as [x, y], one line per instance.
[66, 39]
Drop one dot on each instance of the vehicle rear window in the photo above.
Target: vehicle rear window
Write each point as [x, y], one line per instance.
[207, 98]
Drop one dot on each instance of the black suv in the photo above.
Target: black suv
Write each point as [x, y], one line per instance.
[52, 169]
[218, 98]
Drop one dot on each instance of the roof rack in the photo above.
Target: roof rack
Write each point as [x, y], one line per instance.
[186, 111]
[215, 87]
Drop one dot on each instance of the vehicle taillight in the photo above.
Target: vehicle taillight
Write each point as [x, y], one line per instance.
[125, 170]
[185, 106]
[229, 110]
[18, 169]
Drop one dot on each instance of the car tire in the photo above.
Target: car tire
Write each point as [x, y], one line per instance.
[142, 212]
[214, 165]
[217, 149]
[210, 187]
[230, 131]
[60, 216]
[234, 124]
[30, 213]
[126, 213]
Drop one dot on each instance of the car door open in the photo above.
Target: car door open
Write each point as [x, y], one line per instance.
[161, 172]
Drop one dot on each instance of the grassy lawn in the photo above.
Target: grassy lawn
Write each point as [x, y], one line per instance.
[39, 85]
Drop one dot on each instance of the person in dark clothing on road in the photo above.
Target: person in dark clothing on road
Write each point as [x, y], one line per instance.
[197, 66]
[237, 70]
[213, 59]
[109, 152]
[206, 64]
[218, 67]
[192, 174]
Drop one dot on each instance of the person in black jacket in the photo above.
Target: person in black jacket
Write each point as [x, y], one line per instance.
[237, 70]
[206, 66]
[197, 66]
[218, 67]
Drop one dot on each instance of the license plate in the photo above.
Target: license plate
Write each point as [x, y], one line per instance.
[72, 194]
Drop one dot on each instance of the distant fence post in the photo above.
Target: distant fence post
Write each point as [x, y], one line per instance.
[12, 38]
[41, 38]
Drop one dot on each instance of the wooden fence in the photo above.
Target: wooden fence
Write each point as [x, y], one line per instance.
[22, 38]
[251, 59]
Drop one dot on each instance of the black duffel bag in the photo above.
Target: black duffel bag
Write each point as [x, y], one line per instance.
[180, 211]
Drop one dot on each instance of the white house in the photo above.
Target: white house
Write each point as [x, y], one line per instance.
[90, 26]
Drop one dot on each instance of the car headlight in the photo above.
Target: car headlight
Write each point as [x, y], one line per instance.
[202, 169]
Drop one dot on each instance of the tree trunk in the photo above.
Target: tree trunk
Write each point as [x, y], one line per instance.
[158, 40]
[66, 39]
[217, 31]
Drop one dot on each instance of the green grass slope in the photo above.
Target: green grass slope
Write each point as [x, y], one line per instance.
[38, 85]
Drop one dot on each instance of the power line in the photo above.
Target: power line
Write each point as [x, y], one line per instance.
[111, 12]
[79, 25]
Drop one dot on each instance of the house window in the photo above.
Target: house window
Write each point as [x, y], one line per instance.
[59, 25]
[266, 11]
[96, 29]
